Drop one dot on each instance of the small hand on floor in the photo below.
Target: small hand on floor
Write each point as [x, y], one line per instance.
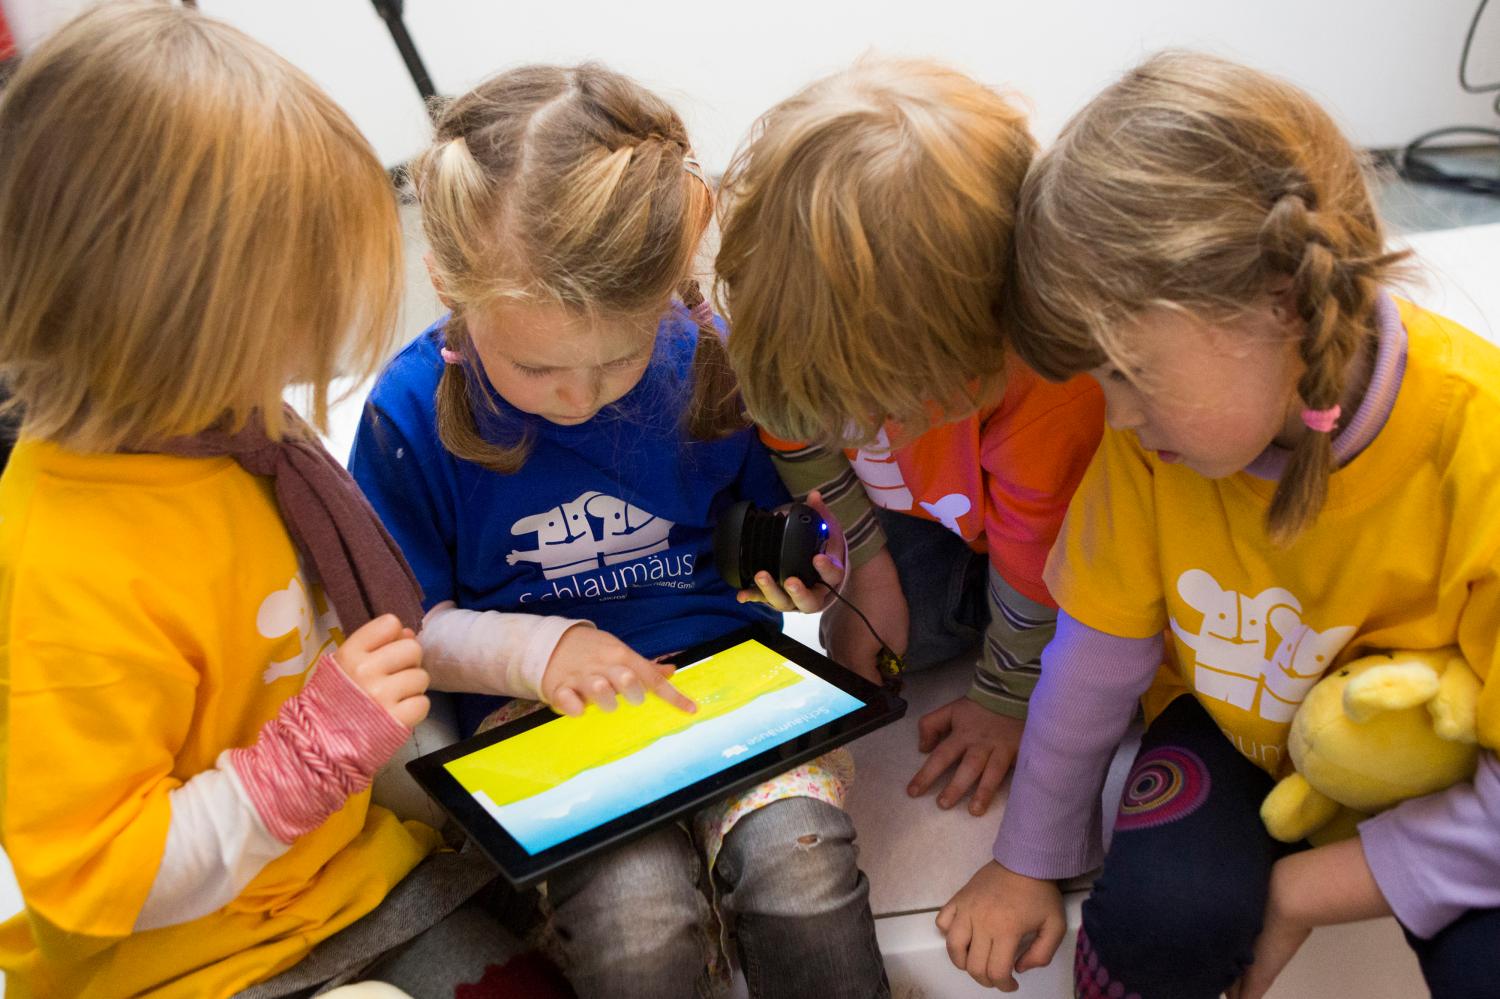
[981, 743]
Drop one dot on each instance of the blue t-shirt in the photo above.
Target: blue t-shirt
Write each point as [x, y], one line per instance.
[610, 521]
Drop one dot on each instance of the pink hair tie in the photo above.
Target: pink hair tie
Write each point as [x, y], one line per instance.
[1321, 420]
[703, 314]
[451, 356]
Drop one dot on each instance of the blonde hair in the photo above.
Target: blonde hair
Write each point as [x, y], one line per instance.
[863, 251]
[571, 186]
[187, 225]
[1198, 184]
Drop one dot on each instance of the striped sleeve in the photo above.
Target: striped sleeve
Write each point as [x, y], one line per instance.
[1019, 630]
[805, 468]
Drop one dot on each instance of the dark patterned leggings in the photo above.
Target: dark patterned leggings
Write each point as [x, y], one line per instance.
[1177, 909]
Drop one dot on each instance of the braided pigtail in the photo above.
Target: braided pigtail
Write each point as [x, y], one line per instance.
[1333, 291]
[563, 186]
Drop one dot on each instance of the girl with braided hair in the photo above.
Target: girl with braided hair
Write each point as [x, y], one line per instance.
[552, 458]
[1300, 469]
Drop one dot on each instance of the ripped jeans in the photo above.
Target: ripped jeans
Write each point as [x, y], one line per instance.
[635, 923]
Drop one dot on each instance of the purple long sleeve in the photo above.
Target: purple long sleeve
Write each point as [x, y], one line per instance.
[1079, 712]
[1437, 857]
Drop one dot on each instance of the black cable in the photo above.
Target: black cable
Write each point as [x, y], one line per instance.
[1417, 167]
[1463, 60]
[1415, 163]
[847, 603]
[890, 665]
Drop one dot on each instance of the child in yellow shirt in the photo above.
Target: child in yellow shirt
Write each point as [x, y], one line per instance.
[1299, 470]
[187, 225]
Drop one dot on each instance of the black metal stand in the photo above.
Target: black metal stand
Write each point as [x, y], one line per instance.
[390, 12]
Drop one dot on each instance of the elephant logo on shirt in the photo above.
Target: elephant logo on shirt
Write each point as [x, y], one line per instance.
[588, 532]
[1234, 661]
[293, 615]
[1299, 662]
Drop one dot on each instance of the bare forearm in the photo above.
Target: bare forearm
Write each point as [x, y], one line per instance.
[1327, 885]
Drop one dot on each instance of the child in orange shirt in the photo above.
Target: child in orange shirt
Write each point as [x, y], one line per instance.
[863, 258]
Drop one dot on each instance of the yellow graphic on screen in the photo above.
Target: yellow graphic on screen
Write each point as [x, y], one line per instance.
[554, 752]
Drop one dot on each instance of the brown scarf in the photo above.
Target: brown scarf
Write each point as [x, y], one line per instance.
[340, 538]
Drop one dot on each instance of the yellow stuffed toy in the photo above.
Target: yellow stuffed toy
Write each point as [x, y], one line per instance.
[1378, 731]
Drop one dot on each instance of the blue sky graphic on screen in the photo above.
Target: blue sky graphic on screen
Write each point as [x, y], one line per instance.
[570, 775]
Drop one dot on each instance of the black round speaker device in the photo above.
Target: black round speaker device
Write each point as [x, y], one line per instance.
[781, 542]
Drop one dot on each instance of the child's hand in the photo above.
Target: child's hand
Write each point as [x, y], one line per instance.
[798, 595]
[385, 661]
[875, 588]
[981, 742]
[593, 665]
[991, 916]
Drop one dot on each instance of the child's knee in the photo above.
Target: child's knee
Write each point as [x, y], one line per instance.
[1150, 936]
[645, 888]
[635, 919]
[794, 857]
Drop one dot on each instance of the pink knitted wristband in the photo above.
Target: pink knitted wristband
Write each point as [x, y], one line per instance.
[324, 745]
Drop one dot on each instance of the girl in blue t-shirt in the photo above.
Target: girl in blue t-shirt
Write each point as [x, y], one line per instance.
[552, 458]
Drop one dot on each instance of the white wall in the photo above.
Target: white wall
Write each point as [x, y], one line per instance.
[1387, 68]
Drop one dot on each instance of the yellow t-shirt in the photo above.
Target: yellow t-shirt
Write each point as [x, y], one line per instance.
[1405, 555]
[152, 615]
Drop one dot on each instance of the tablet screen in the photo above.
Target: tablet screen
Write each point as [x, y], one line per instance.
[564, 777]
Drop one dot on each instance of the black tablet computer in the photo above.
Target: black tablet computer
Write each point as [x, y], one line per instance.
[545, 790]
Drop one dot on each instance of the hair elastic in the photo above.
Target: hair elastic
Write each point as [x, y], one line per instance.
[1321, 420]
[451, 356]
[703, 313]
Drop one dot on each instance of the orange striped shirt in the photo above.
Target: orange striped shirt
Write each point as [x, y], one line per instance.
[1000, 478]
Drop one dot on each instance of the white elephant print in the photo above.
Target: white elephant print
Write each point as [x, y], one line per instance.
[565, 539]
[568, 542]
[948, 509]
[629, 532]
[292, 611]
[1300, 661]
[1233, 661]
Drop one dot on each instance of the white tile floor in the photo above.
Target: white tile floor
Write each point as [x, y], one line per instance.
[917, 855]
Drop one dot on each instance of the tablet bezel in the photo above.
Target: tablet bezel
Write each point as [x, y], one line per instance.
[522, 869]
